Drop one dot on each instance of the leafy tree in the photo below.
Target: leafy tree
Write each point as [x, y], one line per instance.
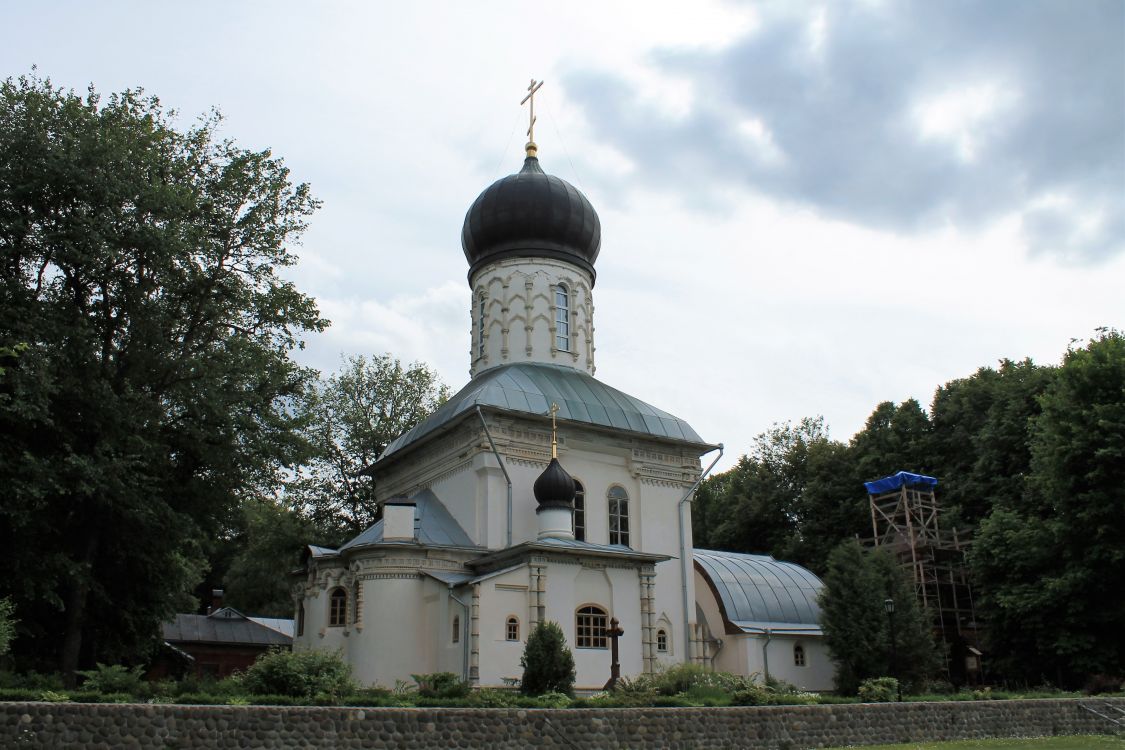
[855, 622]
[352, 416]
[1050, 564]
[895, 438]
[153, 391]
[300, 674]
[548, 665]
[269, 546]
[7, 624]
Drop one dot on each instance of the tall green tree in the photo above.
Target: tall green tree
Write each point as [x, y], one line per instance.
[154, 387]
[857, 628]
[895, 438]
[350, 419]
[1051, 564]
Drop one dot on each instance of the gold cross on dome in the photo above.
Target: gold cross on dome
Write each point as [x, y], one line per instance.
[554, 431]
[531, 89]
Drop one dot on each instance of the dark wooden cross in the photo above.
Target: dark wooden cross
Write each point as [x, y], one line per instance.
[614, 633]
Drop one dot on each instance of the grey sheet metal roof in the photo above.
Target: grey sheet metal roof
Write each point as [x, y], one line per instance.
[532, 388]
[758, 592]
[226, 626]
[432, 525]
[280, 624]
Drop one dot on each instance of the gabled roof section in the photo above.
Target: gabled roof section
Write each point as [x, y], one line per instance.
[757, 592]
[531, 388]
[433, 526]
[225, 626]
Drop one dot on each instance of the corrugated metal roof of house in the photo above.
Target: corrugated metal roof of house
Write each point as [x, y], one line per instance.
[433, 525]
[225, 626]
[531, 388]
[758, 592]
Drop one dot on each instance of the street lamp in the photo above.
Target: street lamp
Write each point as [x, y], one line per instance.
[889, 606]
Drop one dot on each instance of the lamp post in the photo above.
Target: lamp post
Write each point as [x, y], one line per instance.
[889, 606]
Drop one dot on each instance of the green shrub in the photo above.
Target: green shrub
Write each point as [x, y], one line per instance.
[113, 678]
[705, 695]
[50, 696]
[31, 680]
[8, 695]
[200, 699]
[301, 674]
[751, 695]
[548, 665]
[547, 700]
[441, 685]
[878, 689]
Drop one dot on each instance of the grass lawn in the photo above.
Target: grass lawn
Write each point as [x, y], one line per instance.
[1087, 742]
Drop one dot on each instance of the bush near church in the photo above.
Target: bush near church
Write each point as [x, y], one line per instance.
[548, 665]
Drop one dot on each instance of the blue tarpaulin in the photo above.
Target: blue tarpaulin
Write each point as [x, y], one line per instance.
[894, 481]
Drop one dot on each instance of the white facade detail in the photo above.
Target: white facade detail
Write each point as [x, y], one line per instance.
[516, 315]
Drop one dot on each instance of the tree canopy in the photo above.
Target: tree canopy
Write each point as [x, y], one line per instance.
[146, 386]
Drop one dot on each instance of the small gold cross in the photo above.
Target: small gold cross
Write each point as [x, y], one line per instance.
[554, 431]
[531, 88]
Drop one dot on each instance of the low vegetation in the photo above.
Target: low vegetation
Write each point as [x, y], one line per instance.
[282, 678]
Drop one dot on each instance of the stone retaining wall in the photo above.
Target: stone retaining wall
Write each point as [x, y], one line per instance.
[107, 727]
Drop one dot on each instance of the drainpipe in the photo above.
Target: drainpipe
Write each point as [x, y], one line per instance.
[503, 468]
[683, 551]
[766, 654]
[464, 635]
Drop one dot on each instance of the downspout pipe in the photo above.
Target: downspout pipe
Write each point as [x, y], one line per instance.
[766, 655]
[684, 570]
[503, 468]
[464, 635]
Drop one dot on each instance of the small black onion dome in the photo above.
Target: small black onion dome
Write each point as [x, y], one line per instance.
[531, 215]
[554, 488]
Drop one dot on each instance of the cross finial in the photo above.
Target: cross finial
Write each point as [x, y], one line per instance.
[531, 89]
[554, 431]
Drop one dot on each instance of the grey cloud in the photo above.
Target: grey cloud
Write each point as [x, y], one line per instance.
[842, 119]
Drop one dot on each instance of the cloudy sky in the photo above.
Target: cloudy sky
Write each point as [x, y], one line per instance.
[806, 208]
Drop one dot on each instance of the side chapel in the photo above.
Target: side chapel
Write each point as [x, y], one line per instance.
[537, 492]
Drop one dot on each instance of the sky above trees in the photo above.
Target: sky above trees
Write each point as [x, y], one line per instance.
[807, 209]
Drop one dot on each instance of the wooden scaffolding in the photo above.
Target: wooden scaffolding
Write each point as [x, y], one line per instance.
[906, 521]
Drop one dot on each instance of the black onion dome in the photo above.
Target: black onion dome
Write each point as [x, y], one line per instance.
[531, 215]
[554, 488]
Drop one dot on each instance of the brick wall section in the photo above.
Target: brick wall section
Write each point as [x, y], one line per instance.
[78, 727]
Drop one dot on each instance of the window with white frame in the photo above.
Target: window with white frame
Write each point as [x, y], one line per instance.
[662, 641]
[799, 655]
[562, 318]
[512, 628]
[590, 626]
[579, 511]
[618, 515]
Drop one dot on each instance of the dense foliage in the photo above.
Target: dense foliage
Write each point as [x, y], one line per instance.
[299, 674]
[857, 628]
[145, 332]
[1029, 457]
[548, 664]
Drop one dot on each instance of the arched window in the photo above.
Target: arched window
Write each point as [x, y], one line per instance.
[512, 628]
[579, 511]
[301, 618]
[589, 627]
[662, 641]
[618, 515]
[456, 630]
[799, 655]
[337, 608]
[562, 318]
[480, 326]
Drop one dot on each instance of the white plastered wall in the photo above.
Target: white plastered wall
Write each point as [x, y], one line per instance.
[518, 295]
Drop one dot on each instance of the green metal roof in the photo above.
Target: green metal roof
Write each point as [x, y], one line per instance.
[532, 388]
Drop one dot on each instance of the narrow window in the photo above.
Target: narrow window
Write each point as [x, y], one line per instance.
[579, 512]
[301, 618]
[456, 631]
[337, 608]
[512, 629]
[480, 329]
[662, 641]
[562, 318]
[618, 516]
[799, 655]
[590, 625]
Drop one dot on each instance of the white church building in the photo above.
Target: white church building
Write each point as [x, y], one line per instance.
[537, 492]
